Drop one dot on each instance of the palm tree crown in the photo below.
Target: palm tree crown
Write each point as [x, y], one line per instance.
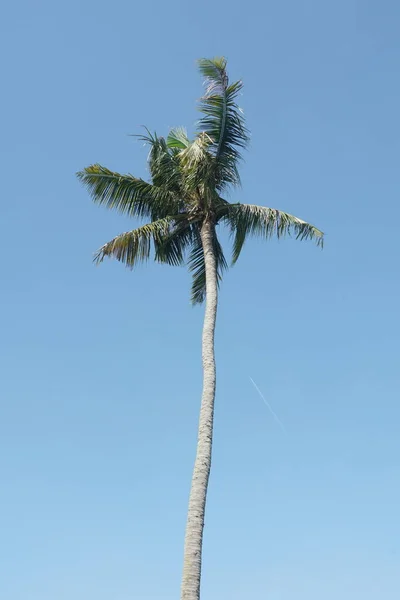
[189, 179]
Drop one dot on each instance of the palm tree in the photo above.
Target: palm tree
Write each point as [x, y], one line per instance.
[183, 204]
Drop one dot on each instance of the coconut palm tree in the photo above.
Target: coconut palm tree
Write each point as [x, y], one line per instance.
[184, 204]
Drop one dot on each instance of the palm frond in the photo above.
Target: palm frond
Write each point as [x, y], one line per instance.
[196, 152]
[128, 194]
[198, 269]
[223, 120]
[147, 137]
[134, 246]
[245, 219]
[197, 164]
[177, 138]
[172, 248]
[163, 162]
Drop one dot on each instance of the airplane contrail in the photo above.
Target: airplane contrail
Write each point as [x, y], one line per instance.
[267, 404]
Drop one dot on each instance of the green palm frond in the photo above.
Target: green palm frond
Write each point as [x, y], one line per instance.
[198, 269]
[245, 219]
[223, 120]
[163, 163]
[128, 194]
[134, 246]
[173, 247]
[177, 138]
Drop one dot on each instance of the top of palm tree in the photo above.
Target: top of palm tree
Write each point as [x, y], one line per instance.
[188, 182]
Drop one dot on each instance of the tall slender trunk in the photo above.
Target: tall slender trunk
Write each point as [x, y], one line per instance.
[197, 502]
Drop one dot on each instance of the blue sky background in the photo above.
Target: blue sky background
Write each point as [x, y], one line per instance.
[101, 373]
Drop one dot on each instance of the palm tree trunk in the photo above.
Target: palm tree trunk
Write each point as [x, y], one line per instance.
[197, 503]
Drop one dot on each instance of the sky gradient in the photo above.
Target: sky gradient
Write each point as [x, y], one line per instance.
[101, 372]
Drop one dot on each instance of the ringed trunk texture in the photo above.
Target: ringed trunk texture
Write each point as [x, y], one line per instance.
[197, 502]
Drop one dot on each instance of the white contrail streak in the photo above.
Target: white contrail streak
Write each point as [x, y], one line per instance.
[267, 404]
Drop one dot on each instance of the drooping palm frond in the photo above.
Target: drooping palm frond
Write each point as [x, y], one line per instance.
[198, 269]
[223, 120]
[173, 248]
[127, 194]
[245, 219]
[134, 246]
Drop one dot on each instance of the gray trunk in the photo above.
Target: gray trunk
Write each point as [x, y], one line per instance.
[197, 503]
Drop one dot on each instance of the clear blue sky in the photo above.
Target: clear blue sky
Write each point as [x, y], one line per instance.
[101, 372]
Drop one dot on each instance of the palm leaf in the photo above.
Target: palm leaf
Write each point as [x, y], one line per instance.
[163, 163]
[128, 194]
[197, 165]
[172, 248]
[134, 246]
[223, 120]
[177, 138]
[245, 219]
